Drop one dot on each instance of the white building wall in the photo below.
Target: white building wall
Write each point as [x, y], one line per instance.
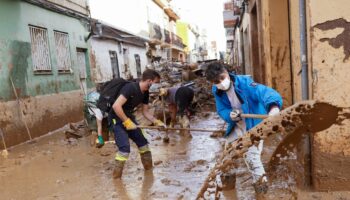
[132, 61]
[100, 49]
[103, 70]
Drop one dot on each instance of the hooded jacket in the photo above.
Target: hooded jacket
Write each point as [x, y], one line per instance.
[254, 97]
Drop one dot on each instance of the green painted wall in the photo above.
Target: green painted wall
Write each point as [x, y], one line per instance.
[15, 50]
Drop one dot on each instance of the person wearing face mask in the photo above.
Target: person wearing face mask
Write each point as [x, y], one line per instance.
[236, 94]
[124, 124]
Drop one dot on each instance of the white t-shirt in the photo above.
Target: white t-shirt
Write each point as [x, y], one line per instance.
[240, 127]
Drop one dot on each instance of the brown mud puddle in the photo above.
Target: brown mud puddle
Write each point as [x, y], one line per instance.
[54, 168]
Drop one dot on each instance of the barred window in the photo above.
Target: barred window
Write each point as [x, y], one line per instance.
[62, 51]
[40, 49]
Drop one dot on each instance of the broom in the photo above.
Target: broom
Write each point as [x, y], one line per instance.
[4, 152]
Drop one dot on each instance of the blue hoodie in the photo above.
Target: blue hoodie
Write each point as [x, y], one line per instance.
[255, 99]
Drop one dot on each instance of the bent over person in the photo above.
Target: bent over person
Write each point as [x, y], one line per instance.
[179, 100]
[236, 94]
[124, 124]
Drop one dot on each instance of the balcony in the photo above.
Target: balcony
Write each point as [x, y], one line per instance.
[155, 33]
[177, 41]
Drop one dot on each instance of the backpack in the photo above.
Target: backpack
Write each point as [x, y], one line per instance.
[109, 93]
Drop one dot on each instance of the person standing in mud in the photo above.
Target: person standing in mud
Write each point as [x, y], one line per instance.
[179, 100]
[124, 124]
[236, 94]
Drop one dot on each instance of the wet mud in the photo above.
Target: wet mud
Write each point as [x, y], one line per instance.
[60, 168]
[290, 126]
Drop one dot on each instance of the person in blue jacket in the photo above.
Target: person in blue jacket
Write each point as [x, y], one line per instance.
[236, 94]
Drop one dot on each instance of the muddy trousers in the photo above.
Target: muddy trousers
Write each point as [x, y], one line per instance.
[252, 159]
[122, 136]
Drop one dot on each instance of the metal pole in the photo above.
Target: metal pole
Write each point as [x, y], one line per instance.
[303, 51]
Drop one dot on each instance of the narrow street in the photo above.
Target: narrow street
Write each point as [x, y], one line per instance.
[55, 168]
[262, 85]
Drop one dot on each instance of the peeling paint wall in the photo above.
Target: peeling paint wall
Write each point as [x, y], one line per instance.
[15, 47]
[102, 69]
[279, 53]
[42, 114]
[330, 59]
[34, 88]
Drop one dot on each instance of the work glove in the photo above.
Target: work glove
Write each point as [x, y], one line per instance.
[159, 123]
[163, 92]
[172, 123]
[274, 111]
[235, 115]
[129, 125]
[99, 141]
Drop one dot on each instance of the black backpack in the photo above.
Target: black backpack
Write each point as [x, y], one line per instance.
[109, 93]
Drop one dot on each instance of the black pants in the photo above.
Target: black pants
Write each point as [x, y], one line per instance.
[183, 98]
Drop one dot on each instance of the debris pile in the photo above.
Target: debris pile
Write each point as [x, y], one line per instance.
[290, 125]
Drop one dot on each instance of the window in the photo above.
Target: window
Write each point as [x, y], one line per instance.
[40, 49]
[62, 51]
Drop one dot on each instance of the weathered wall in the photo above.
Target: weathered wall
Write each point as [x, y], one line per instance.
[76, 5]
[42, 114]
[47, 105]
[277, 31]
[330, 43]
[295, 49]
[15, 49]
[101, 68]
[132, 62]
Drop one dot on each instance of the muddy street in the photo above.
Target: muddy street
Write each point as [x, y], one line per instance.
[54, 168]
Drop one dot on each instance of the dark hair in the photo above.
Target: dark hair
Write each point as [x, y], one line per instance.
[214, 70]
[150, 74]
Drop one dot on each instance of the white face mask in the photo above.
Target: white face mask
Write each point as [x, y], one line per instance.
[225, 84]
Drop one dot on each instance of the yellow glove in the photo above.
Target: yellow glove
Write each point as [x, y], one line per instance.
[158, 123]
[163, 92]
[129, 125]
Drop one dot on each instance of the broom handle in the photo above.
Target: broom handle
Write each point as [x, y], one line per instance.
[187, 129]
[20, 107]
[3, 139]
[255, 116]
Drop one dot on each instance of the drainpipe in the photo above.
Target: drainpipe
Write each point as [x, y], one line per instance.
[303, 51]
[305, 145]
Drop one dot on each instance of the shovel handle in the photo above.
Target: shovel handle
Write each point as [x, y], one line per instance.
[186, 129]
[255, 116]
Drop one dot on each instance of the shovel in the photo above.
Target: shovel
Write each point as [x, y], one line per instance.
[184, 129]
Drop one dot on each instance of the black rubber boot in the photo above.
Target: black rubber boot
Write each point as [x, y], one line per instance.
[118, 169]
[146, 159]
[261, 186]
[228, 181]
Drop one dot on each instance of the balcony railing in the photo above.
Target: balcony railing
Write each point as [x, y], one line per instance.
[177, 41]
[155, 31]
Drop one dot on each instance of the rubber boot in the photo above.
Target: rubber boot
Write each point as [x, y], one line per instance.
[185, 123]
[146, 159]
[228, 181]
[118, 169]
[261, 186]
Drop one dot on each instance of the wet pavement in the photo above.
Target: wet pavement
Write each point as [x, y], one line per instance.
[54, 168]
